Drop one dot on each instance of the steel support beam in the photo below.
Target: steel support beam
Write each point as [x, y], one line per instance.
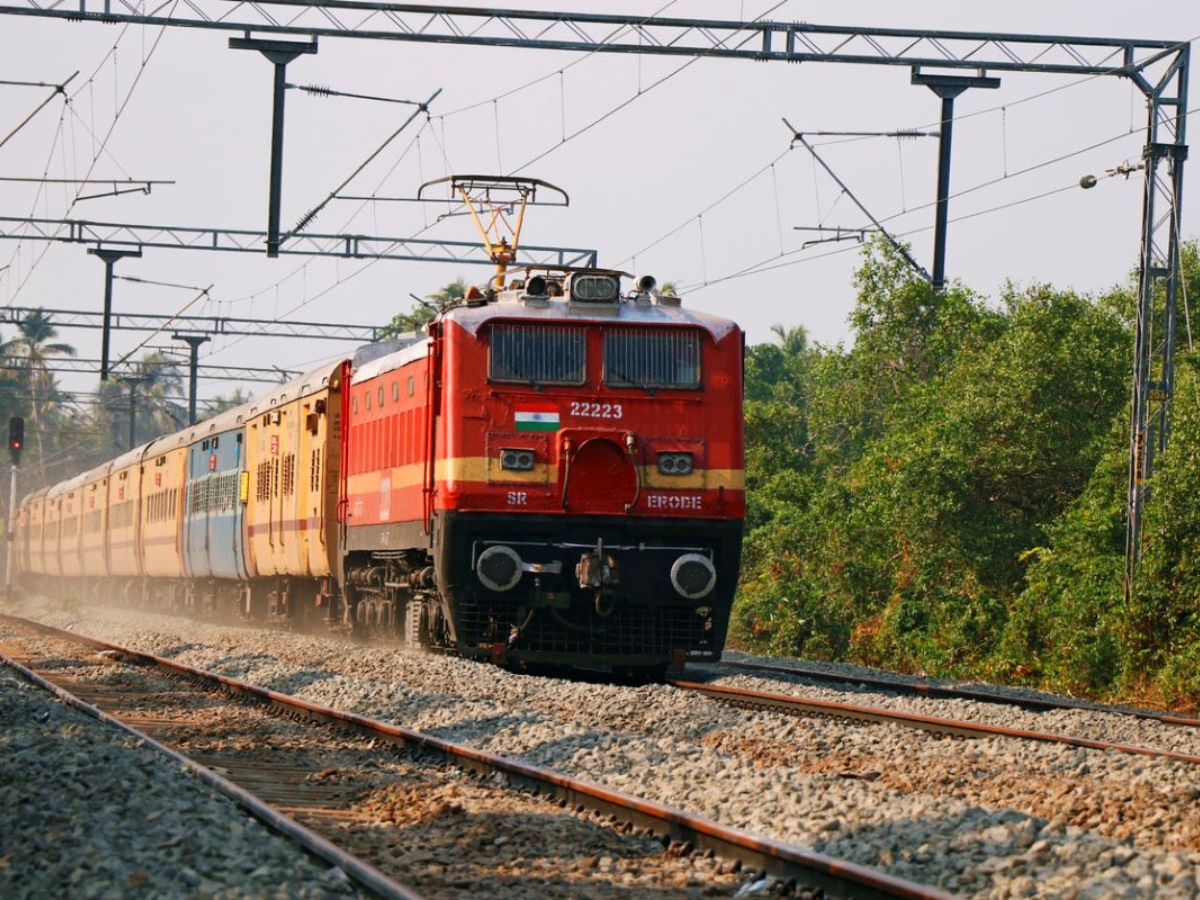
[109, 257]
[1158, 289]
[762, 40]
[279, 53]
[947, 87]
[345, 246]
[193, 341]
[206, 325]
[130, 369]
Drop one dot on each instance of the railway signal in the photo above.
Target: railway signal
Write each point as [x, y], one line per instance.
[16, 438]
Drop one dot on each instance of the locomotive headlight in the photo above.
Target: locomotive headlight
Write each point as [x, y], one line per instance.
[693, 576]
[499, 568]
[675, 463]
[516, 460]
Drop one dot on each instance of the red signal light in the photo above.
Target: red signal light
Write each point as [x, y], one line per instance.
[16, 438]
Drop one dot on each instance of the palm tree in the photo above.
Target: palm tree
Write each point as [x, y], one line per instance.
[155, 384]
[32, 347]
[794, 341]
[220, 403]
[143, 402]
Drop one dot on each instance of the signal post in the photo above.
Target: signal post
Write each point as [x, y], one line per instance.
[16, 440]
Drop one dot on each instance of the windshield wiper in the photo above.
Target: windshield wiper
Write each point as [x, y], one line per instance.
[630, 382]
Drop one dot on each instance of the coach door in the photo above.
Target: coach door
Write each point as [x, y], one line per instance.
[215, 544]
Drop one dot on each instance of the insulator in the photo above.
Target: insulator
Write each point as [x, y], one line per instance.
[308, 217]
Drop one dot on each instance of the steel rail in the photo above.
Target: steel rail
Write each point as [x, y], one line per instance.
[841, 877]
[876, 716]
[362, 873]
[1033, 704]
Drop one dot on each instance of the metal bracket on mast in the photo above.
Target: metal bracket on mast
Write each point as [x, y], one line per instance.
[109, 257]
[279, 53]
[947, 87]
[798, 137]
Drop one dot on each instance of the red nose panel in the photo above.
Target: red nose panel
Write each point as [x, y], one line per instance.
[602, 479]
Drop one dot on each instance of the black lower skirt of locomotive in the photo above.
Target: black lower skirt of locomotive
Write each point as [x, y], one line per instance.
[635, 619]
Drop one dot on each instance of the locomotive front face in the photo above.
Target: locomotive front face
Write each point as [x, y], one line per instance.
[590, 504]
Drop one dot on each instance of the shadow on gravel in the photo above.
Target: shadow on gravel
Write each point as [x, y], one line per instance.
[457, 839]
[179, 649]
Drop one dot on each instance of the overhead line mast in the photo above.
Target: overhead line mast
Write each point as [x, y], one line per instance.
[1159, 68]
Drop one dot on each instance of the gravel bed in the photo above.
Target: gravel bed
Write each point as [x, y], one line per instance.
[1092, 721]
[983, 818]
[86, 810]
[433, 827]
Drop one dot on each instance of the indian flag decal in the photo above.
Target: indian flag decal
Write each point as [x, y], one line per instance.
[537, 417]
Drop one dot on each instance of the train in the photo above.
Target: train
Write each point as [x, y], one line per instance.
[549, 474]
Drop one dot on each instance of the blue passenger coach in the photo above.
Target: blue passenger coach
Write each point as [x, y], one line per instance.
[214, 531]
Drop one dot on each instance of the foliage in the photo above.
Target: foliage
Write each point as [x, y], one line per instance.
[1163, 619]
[948, 494]
[1064, 630]
[62, 437]
[220, 403]
[425, 310]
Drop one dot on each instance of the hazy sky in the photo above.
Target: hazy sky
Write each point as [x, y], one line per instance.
[680, 169]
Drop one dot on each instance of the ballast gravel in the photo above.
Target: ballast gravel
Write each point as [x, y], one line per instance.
[88, 811]
[986, 818]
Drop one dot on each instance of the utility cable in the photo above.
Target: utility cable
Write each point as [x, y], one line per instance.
[59, 89]
[312, 214]
[896, 245]
[117, 115]
[640, 93]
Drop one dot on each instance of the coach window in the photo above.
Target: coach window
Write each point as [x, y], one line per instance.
[395, 390]
[652, 358]
[411, 385]
[381, 396]
[538, 354]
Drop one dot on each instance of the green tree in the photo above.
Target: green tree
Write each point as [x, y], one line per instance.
[222, 402]
[936, 452]
[424, 311]
[30, 351]
[1073, 627]
[142, 403]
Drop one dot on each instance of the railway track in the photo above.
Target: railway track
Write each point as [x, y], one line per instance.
[800, 706]
[412, 797]
[858, 681]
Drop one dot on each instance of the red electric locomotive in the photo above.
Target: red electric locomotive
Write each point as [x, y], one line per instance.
[553, 475]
